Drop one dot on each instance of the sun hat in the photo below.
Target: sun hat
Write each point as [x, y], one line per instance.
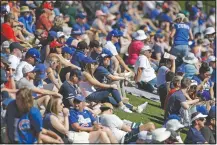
[160, 134]
[27, 68]
[174, 125]
[209, 30]
[100, 13]
[180, 16]
[24, 9]
[35, 53]
[193, 82]
[146, 136]
[60, 34]
[197, 115]
[190, 58]
[80, 98]
[106, 105]
[140, 35]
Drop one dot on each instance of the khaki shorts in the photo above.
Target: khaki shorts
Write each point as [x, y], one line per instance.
[78, 137]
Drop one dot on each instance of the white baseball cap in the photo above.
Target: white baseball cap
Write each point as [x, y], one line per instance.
[145, 48]
[27, 68]
[5, 44]
[145, 135]
[140, 35]
[209, 30]
[174, 125]
[60, 34]
[211, 58]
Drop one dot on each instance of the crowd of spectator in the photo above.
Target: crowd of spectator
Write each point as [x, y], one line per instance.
[65, 66]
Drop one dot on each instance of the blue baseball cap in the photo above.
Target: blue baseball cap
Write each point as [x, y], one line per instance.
[121, 25]
[88, 60]
[80, 15]
[33, 52]
[115, 33]
[41, 68]
[80, 98]
[67, 49]
[53, 34]
[76, 30]
[127, 17]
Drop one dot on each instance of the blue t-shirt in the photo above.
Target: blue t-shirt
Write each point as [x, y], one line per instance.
[68, 91]
[213, 76]
[161, 75]
[69, 41]
[101, 74]
[164, 17]
[182, 34]
[174, 103]
[77, 58]
[27, 23]
[81, 27]
[154, 14]
[23, 128]
[205, 93]
[84, 118]
[194, 137]
[157, 49]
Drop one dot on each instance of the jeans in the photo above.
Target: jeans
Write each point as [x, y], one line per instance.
[103, 95]
[179, 51]
[148, 86]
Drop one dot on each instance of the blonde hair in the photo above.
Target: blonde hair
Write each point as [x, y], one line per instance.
[58, 21]
[25, 95]
[52, 106]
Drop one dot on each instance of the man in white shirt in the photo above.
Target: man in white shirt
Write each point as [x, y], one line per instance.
[113, 38]
[145, 74]
[122, 132]
[32, 56]
[16, 54]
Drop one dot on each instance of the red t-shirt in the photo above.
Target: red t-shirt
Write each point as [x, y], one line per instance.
[7, 32]
[134, 50]
[44, 23]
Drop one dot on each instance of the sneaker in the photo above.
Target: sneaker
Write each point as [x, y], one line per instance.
[125, 109]
[141, 107]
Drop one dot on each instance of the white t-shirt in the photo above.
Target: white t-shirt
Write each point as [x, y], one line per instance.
[19, 71]
[110, 46]
[113, 122]
[148, 72]
[15, 61]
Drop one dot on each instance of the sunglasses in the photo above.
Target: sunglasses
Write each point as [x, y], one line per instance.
[202, 119]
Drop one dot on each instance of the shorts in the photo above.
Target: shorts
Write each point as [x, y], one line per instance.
[133, 135]
[78, 137]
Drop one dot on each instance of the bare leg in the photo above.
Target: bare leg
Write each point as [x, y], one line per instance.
[43, 100]
[110, 135]
[98, 137]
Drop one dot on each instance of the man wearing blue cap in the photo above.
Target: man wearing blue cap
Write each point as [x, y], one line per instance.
[113, 37]
[81, 22]
[32, 57]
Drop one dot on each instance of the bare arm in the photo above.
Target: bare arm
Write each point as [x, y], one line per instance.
[50, 75]
[186, 104]
[138, 74]
[122, 63]
[116, 63]
[126, 128]
[78, 128]
[115, 78]
[191, 35]
[64, 62]
[173, 68]
[48, 136]
[46, 92]
[63, 128]
[95, 82]
[101, 27]
[158, 56]
[212, 91]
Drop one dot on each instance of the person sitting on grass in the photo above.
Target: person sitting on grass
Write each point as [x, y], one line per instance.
[123, 133]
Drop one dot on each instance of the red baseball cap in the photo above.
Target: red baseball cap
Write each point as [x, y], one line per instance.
[55, 44]
[48, 5]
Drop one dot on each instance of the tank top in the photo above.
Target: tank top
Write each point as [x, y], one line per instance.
[182, 34]
[85, 87]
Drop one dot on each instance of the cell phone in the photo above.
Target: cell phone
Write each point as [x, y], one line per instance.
[97, 119]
